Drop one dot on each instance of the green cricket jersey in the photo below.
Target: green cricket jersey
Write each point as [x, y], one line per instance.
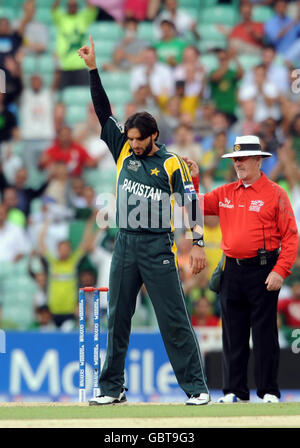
[147, 188]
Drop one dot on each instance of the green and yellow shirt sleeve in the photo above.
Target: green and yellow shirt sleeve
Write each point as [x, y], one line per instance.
[114, 137]
[185, 193]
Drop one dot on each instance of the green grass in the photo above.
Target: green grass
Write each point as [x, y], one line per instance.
[20, 412]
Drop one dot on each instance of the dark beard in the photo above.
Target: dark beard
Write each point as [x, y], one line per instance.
[146, 152]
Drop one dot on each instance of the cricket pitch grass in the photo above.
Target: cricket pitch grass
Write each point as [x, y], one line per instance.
[149, 415]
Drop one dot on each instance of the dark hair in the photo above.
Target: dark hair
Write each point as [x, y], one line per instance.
[144, 122]
[269, 47]
[130, 19]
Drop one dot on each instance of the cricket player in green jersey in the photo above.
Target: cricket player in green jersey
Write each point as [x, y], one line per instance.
[148, 179]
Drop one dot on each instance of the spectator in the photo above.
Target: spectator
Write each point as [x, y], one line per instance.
[202, 315]
[71, 26]
[58, 186]
[11, 40]
[213, 166]
[69, 152]
[144, 100]
[185, 144]
[76, 194]
[295, 136]
[191, 71]
[246, 125]
[11, 162]
[14, 243]
[170, 48]
[276, 73]
[204, 116]
[109, 10]
[141, 10]
[62, 278]
[287, 168]
[59, 218]
[170, 119]
[59, 116]
[25, 195]
[223, 83]
[271, 135]
[246, 37]
[183, 21]
[281, 30]
[10, 201]
[218, 122]
[37, 270]
[36, 35]
[188, 104]
[36, 120]
[43, 319]
[13, 82]
[87, 134]
[8, 123]
[213, 238]
[153, 73]
[128, 52]
[289, 308]
[265, 94]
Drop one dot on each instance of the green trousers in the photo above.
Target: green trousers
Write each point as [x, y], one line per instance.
[150, 259]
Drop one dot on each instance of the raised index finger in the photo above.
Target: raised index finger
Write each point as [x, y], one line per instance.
[92, 43]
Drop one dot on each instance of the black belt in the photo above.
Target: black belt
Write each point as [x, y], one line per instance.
[270, 256]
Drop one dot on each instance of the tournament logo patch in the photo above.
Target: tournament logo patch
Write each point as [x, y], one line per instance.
[255, 206]
[134, 165]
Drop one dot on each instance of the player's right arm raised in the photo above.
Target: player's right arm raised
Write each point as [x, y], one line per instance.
[99, 97]
[111, 132]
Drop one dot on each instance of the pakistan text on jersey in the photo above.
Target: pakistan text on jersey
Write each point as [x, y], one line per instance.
[139, 189]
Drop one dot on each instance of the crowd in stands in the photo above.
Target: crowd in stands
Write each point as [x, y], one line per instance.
[208, 70]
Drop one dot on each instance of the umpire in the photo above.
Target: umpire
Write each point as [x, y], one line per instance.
[259, 240]
[145, 251]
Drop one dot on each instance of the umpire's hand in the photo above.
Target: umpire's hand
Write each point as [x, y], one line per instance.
[88, 55]
[197, 259]
[274, 281]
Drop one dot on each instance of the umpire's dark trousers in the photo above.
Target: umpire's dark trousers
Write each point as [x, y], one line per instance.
[247, 304]
[150, 259]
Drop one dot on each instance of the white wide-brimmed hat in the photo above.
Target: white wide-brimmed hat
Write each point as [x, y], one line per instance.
[245, 146]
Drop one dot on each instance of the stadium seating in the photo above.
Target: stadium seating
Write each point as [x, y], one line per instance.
[248, 61]
[17, 292]
[261, 13]
[105, 31]
[103, 181]
[76, 114]
[112, 80]
[219, 14]
[76, 96]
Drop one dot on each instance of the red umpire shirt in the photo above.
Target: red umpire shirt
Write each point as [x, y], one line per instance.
[256, 217]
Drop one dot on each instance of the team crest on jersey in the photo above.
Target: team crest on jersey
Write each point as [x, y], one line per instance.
[255, 206]
[134, 165]
[155, 171]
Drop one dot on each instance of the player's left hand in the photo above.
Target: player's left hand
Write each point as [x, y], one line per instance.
[197, 259]
[274, 281]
